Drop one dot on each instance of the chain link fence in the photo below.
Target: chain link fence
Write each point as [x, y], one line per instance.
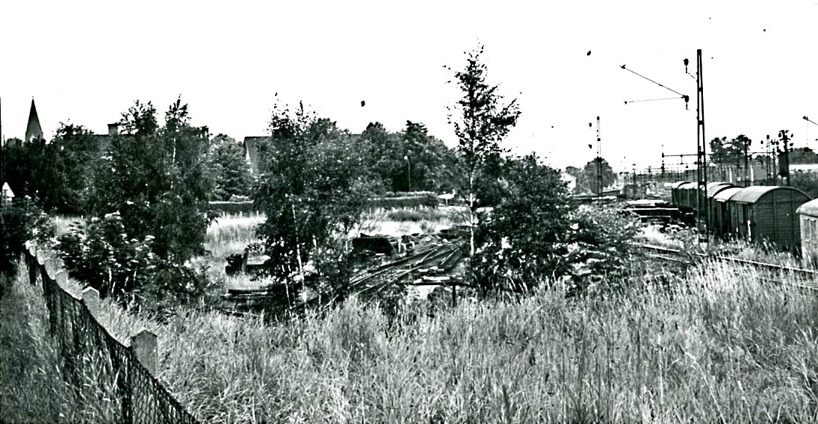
[87, 348]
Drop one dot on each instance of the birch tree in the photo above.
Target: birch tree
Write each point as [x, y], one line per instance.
[481, 121]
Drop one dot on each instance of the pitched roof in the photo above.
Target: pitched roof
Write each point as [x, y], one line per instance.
[33, 129]
[251, 151]
[7, 193]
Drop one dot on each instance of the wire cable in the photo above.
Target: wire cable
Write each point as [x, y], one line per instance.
[657, 83]
[654, 100]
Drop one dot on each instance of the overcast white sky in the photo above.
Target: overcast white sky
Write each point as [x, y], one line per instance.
[87, 61]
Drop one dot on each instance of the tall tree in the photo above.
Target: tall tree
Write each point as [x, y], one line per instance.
[588, 181]
[481, 121]
[730, 152]
[411, 160]
[228, 168]
[803, 155]
[313, 193]
[155, 178]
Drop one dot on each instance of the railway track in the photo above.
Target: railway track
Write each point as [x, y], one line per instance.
[773, 271]
[431, 266]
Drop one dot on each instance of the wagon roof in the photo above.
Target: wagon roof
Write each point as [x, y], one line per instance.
[677, 184]
[687, 185]
[726, 194]
[715, 188]
[752, 194]
[810, 208]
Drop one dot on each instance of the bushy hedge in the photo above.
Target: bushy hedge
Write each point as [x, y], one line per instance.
[20, 221]
[99, 253]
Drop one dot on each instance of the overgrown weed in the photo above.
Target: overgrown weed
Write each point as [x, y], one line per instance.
[724, 343]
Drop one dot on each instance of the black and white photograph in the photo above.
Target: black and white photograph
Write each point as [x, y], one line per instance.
[409, 212]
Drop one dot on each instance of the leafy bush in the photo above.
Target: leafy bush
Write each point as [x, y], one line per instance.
[100, 254]
[536, 237]
[20, 221]
[600, 249]
[522, 240]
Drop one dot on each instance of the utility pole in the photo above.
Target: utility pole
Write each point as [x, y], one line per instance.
[784, 162]
[2, 148]
[598, 160]
[809, 121]
[701, 142]
[746, 164]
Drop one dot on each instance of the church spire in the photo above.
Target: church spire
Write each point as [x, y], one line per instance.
[33, 129]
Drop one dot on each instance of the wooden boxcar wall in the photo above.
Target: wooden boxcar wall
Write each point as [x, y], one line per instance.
[809, 236]
[773, 218]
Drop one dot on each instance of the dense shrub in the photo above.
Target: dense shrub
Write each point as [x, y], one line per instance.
[20, 221]
[100, 254]
[535, 237]
[600, 249]
[522, 241]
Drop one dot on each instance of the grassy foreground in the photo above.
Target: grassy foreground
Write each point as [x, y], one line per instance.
[32, 384]
[720, 347]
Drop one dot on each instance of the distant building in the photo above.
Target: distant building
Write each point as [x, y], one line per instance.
[33, 129]
[7, 195]
[251, 154]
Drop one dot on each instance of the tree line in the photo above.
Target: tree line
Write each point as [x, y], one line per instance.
[144, 193]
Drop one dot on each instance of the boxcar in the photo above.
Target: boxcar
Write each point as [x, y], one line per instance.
[687, 195]
[767, 213]
[713, 188]
[808, 218]
[720, 211]
[675, 193]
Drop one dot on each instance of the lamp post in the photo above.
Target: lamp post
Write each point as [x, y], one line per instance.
[408, 172]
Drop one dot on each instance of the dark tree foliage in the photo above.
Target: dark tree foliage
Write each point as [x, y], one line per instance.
[100, 253]
[411, 160]
[806, 182]
[481, 121]
[730, 152]
[149, 211]
[523, 240]
[56, 173]
[600, 248]
[313, 192]
[155, 179]
[21, 220]
[536, 237]
[229, 169]
[587, 181]
[803, 155]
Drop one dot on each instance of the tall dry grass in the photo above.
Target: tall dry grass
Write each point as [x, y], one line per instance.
[33, 387]
[721, 346]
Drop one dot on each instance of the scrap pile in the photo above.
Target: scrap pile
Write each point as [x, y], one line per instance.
[394, 263]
